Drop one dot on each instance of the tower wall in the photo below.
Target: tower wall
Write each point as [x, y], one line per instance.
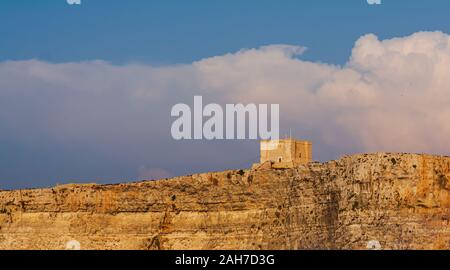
[289, 152]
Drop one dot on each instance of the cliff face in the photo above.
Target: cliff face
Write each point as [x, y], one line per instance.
[400, 200]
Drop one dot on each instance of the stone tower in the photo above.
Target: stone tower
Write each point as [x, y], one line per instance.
[286, 153]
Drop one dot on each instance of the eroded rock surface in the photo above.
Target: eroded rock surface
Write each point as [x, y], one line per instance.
[401, 201]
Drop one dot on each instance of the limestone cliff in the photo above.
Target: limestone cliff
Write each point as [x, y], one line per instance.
[400, 200]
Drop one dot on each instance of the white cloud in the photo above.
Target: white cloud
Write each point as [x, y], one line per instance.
[392, 95]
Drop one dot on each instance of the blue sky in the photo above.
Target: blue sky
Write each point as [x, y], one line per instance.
[176, 31]
[67, 117]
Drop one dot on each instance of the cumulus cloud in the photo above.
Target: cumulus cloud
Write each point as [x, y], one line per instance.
[391, 95]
